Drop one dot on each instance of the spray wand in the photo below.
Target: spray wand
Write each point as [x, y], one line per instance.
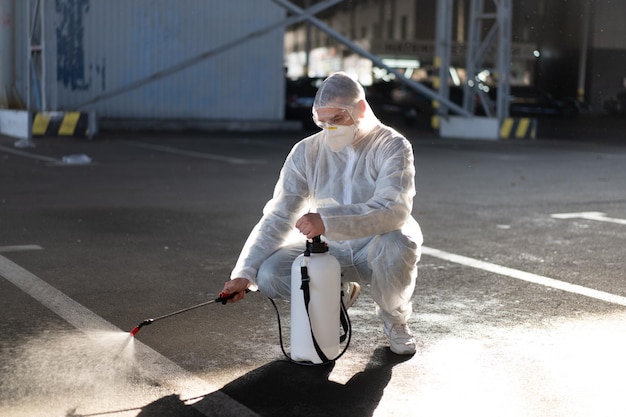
[146, 322]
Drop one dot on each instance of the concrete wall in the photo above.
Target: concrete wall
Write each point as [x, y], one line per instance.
[95, 47]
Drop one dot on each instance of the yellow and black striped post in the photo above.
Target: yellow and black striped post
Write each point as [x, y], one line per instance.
[434, 119]
[518, 128]
[57, 123]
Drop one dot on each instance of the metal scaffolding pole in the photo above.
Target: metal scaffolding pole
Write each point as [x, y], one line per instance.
[584, 45]
[504, 58]
[36, 56]
[477, 49]
[442, 59]
[7, 61]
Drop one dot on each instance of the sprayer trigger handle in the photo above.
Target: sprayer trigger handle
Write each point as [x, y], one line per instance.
[224, 299]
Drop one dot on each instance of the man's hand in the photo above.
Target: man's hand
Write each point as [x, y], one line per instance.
[235, 285]
[311, 225]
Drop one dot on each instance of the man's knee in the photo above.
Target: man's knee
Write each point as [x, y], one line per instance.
[393, 248]
[263, 280]
[272, 283]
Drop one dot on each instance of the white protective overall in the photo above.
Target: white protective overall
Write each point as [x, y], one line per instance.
[364, 195]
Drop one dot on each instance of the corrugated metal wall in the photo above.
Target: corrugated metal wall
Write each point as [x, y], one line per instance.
[93, 47]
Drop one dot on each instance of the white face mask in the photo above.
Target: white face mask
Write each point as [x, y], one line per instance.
[339, 137]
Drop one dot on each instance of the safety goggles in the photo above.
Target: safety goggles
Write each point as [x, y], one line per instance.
[332, 117]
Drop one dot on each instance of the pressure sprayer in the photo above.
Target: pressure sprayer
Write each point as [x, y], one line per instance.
[317, 310]
[146, 322]
[318, 315]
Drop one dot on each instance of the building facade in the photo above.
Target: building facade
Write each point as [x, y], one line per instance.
[554, 43]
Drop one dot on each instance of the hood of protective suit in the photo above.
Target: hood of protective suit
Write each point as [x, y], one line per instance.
[340, 91]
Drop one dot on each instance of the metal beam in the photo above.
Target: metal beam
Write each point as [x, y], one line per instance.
[443, 52]
[584, 45]
[472, 59]
[35, 83]
[7, 62]
[504, 58]
[366, 54]
[477, 48]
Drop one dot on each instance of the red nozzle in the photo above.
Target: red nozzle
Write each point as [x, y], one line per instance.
[140, 325]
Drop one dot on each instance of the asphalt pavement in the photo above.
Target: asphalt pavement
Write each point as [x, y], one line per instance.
[519, 307]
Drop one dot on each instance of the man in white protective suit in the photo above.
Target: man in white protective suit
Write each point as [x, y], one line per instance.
[353, 183]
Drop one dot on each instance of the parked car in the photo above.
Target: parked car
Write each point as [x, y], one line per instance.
[400, 93]
[404, 95]
[299, 96]
[527, 101]
[616, 106]
[392, 103]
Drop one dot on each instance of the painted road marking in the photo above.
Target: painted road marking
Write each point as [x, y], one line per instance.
[65, 161]
[156, 365]
[193, 154]
[48, 159]
[589, 215]
[19, 248]
[525, 276]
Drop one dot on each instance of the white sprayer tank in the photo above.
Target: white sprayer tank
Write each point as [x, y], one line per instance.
[324, 272]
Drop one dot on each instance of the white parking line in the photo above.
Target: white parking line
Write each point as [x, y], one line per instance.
[202, 155]
[589, 215]
[19, 248]
[525, 276]
[157, 366]
[53, 162]
[31, 155]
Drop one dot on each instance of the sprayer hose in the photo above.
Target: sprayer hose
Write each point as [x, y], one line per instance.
[282, 347]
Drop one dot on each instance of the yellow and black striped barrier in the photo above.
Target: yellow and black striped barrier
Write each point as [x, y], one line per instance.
[58, 123]
[518, 128]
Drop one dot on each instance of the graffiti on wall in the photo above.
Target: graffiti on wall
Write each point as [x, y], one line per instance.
[5, 19]
[70, 48]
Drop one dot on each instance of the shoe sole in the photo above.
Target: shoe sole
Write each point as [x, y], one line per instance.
[356, 291]
[406, 352]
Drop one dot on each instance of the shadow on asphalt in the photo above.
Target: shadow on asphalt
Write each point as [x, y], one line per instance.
[287, 389]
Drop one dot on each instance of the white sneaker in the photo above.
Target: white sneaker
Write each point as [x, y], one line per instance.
[350, 291]
[401, 340]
